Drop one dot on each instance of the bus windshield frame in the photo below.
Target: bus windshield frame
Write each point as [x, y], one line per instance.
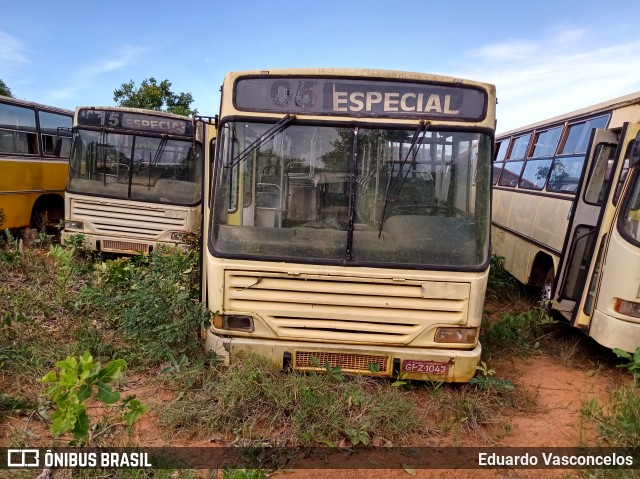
[335, 193]
[126, 164]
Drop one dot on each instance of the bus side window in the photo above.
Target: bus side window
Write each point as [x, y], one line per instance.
[18, 126]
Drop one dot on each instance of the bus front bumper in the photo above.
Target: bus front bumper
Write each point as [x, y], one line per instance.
[116, 244]
[447, 365]
[614, 333]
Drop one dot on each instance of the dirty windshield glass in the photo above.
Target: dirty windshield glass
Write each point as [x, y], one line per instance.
[155, 169]
[353, 195]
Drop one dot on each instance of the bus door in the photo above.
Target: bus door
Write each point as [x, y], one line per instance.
[591, 219]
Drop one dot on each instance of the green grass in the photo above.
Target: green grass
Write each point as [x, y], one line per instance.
[252, 401]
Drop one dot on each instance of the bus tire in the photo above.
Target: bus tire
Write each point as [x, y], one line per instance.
[47, 212]
[547, 287]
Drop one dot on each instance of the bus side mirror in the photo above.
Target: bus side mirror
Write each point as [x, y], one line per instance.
[58, 147]
[634, 157]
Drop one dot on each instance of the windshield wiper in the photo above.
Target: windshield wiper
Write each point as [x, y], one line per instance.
[273, 131]
[413, 152]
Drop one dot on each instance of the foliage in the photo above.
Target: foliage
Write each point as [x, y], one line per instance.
[518, 333]
[632, 364]
[500, 283]
[618, 422]
[75, 383]
[154, 96]
[3, 216]
[9, 248]
[252, 399]
[5, 90]
[152, 301]
[486, 379]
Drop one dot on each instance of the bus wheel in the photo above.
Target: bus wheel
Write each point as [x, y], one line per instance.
[547, 287]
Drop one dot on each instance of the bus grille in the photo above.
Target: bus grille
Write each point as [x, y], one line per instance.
[362, 310]
[125, 220]
[350, 363]
[124, 246]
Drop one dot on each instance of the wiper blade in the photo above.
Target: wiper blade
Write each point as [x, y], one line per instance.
[159, 151]
[273, 131]
[413, 152]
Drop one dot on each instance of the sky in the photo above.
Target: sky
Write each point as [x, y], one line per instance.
[545, 57]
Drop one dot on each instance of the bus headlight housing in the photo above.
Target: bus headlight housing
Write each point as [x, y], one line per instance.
[627, 307]
[74, 225]
[455, 335]
[234, 322]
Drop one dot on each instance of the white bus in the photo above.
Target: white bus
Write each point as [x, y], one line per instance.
[135, 179]
[565, 216]
[349, 221]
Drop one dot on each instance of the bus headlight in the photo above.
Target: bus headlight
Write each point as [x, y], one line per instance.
[233, 322]
[74, 225]
[627, 307]
[455, 335]
[179, 236]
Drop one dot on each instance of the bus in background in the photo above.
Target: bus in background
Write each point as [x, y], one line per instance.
[349, 221]
[32, 177]
[566, 201]
[135, 179]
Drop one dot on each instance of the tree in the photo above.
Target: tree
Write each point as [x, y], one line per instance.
[4, 89]
[154, 96]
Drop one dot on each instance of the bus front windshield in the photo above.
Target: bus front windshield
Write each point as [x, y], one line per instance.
[352, 195]
[135, 167]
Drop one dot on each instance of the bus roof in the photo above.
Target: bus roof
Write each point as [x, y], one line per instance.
[32, 104]
[360, 73]
[582, 112]
[142, 111]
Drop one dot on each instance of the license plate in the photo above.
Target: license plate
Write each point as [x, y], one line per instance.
[425, 367]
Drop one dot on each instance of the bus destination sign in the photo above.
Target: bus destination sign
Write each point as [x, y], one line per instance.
[359, 98]
[133, 121]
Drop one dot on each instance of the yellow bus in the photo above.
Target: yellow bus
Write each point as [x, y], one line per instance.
[349, 221]
[32, 177]
[135, 179]
[565, 216]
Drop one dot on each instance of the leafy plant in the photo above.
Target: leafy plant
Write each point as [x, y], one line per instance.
[500, 282]
[152, 301]
[486, 379]
[632, 364]
[619, 421]
[176, 364]
[332, 371]
[10, 253]
[358, 435]
[78, 380]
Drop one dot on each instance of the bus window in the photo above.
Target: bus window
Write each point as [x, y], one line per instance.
[535, 174]
[546, 142]
[565, 174]
[53, 125]
[519, 149]
[631, 217]
[579, 134]
[501, 153]
[600, 174]
[18, 130]
[510, 173]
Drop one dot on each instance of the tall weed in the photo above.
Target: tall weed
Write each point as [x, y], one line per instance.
[151, 301]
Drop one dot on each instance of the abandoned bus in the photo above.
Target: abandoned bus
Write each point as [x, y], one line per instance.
[135, 179]
[32, 177]
[565, 216]
[349, 220]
